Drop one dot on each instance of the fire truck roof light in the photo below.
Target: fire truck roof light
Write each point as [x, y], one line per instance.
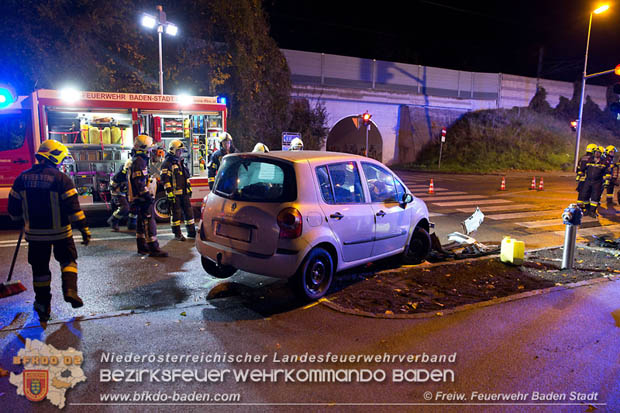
[148, 21]
[69, 95]
[6, 97]
[221, 99]
[185, 99]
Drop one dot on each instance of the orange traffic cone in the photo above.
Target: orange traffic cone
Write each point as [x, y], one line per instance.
[533, 185]
[503, 185]
[431, 188]
[541, 185]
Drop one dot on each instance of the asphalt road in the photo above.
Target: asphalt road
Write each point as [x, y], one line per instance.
[562, 342]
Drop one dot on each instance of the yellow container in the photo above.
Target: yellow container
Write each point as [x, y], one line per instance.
[84, 129]
[94, 136]
[116, 135]
[512, 251]
[105, 136]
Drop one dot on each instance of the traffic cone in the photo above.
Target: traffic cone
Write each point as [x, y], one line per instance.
[533, 185]
[541, 185]
[431, 188]
[503, 185]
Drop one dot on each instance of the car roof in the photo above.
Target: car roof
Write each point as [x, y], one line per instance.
[300, 156]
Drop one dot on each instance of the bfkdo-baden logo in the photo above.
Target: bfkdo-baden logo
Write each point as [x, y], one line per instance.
[48, 372]
[35, 384]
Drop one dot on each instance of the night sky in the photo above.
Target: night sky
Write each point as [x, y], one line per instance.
[484, 36]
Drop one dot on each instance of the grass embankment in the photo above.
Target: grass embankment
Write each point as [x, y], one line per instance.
[510, 139]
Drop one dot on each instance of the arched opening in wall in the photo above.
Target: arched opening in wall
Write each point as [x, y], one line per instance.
[345, 137]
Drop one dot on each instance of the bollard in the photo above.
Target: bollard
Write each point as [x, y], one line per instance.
[572, 219]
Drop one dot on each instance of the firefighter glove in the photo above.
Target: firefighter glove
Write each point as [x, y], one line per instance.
[85, 235]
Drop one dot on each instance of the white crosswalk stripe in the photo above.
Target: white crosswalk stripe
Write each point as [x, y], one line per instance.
[585, 232]
[507, 207]
[529, 214]
[420, 194]
[550, 223]
[440, 197]
[473, 202]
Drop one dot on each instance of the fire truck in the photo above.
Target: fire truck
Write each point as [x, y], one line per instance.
[99, 128]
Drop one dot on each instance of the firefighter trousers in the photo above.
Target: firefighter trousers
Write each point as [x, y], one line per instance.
[590, 193]
[146, 231]
[123, 207]
[182, 209]
[39, 254]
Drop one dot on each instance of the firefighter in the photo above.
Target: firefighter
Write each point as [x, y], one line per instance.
[581, 176]
[260, 147]
[297, 145]
[596, 171]
[175, 177]
[118, 186]
[611, 182]
[216, 159]
[142, 200]
[45, 200]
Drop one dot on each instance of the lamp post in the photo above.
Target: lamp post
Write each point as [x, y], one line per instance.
[583, 84]
[162, 24]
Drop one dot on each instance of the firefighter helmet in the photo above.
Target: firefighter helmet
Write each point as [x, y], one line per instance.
[591, 147]
[610, 150]
[297, 145]
[143, 143]
[176, 145]
[225, 136]
[260, 147]
[600, 149]
[53, 151]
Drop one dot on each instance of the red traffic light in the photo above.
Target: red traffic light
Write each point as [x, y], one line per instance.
[443, 132]
[366, 118]
[617, 70]
[573, 125]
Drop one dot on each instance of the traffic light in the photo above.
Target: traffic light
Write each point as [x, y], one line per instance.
[573, 125]
[366, 118]
[615, 106]
[7, 98]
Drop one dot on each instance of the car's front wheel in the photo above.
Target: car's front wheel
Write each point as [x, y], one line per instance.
[418, 248]
[314, 276]
[211, 268]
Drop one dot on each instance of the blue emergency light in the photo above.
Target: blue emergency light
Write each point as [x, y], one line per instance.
[6, 97]
[221, 99]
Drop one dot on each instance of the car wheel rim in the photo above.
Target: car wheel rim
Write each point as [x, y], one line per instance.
[316, 276]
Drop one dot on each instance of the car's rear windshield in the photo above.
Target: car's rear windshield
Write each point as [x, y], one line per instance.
[255, 179]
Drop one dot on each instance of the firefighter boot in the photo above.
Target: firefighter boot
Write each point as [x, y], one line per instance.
[132, 222]
[42, 310]
[155, 251]
[113, 222]
[69, 285]
[610, 201]
[191, 230]
[592, 212]
[176, 230]
[143, 249]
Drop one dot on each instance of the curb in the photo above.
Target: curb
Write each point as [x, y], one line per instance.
[513, 297]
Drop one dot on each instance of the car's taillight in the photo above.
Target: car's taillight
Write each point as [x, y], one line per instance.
[290, 223]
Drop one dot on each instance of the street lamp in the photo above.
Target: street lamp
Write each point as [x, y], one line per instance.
[583, 84]
[161, 23]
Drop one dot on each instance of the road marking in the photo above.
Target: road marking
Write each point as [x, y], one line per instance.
[524, 214]
[76, 238]
[440, 197]
[424, 188]
[498, 208]
[435, 214]
[550, 223]
[425, 193]
[594, 230]
[473, 202]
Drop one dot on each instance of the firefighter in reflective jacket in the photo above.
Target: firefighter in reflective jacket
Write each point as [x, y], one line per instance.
[45, 200]
[612, 181]
[118, 187]
[175, 177]
[142, 200]
[596, 171]
[581, 165]
[216, 158]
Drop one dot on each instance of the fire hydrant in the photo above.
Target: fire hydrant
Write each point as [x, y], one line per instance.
[572, 219]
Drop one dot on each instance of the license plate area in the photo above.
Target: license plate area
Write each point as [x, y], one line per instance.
[235, 232]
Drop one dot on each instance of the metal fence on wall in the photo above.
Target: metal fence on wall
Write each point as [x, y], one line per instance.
[352, 72]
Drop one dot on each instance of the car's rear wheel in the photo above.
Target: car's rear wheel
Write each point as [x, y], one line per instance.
[419, 247]
[314, 276]
[211, 268]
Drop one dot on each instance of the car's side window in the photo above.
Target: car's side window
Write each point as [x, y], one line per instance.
[325, 184]
[400, 190]
[347, 184]
[380, 183]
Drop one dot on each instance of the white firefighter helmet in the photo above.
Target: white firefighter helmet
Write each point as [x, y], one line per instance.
[175, 146]
[143, 143]
[260, 147]
[297, 145]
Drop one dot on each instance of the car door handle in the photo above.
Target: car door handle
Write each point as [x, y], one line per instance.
[20, 161]
[381, 213]
[337, 215]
